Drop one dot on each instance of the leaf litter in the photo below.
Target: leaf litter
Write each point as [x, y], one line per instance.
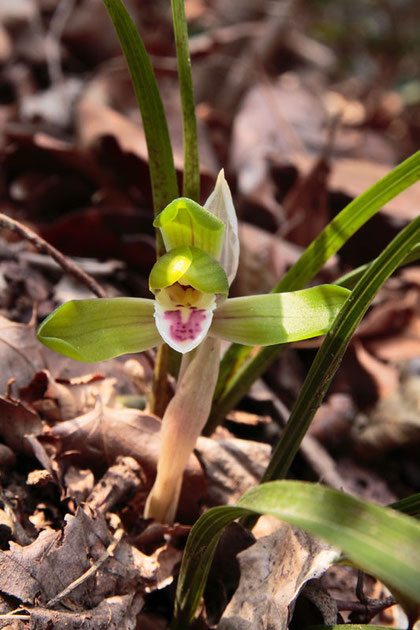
[300, 135]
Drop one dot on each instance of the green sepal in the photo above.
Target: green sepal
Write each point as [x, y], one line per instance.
[99, 329]
[185, 222]
[264, 320]
[189, 266]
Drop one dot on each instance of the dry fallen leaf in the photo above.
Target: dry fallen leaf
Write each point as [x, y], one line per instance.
[34, 573]
[16, 422]
[384, 376]
[353, 177]
[391, 312]
[37, 573]
[274, 120]
[120, 481]
[399, 347]
[104, 433]
[264, 259]
[273, 571]
[224, 573]
[79, 483]
[232, 466]
[394, 421]
[113, 613]
[64, 399]
[20, 353]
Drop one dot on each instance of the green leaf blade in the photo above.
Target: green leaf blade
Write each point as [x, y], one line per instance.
[331, 352]
[161, 162]
[348, 221]
[238, 371]
[410, 505]
[369, 534]
[191, 179]
[99, 329]
[378, 540]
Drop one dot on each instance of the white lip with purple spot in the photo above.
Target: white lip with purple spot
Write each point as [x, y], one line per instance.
[183, 327]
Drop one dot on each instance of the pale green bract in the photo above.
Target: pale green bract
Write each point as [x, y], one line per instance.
[190, 284]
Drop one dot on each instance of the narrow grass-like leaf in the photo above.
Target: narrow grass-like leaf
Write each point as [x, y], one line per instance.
[348, 221]
[350, 279]
[378, 540]
[161, 163]
[191, 180]
[238, 371]
[333, 347]
[409, 505]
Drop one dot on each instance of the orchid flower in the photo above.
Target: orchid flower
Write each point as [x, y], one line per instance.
[190, 283]
[190, 311]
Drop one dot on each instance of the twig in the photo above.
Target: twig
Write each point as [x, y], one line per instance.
[372, 606]
[365, 609]
[42, 245]
[92, 570]
[363, 599]
[15, 614]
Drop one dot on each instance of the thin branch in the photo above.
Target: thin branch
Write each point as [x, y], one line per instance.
[65, 263]
[371, 608]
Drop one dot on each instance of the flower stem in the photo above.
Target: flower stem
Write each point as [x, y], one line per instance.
[182, 423]
[160, 394]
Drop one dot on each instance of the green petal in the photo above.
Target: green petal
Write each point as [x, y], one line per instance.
[170, 268]
[99, 329]
[189, 265]
[184, 222]
[264, 320]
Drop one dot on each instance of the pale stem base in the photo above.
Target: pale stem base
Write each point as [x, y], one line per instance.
[182, 423]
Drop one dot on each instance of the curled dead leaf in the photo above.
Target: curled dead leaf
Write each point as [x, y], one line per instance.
[20, 353]
[16, 422]
[104, 433]
[273, 571]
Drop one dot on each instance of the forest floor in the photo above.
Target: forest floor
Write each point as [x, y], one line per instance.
[305, 105]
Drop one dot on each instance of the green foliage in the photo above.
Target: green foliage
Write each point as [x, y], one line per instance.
[161, 161]
[237, 370]
[191, 181]
[332, 350]
[378, 540]
[409, 505]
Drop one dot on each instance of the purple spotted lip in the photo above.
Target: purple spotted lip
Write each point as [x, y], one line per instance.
[182, 331]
